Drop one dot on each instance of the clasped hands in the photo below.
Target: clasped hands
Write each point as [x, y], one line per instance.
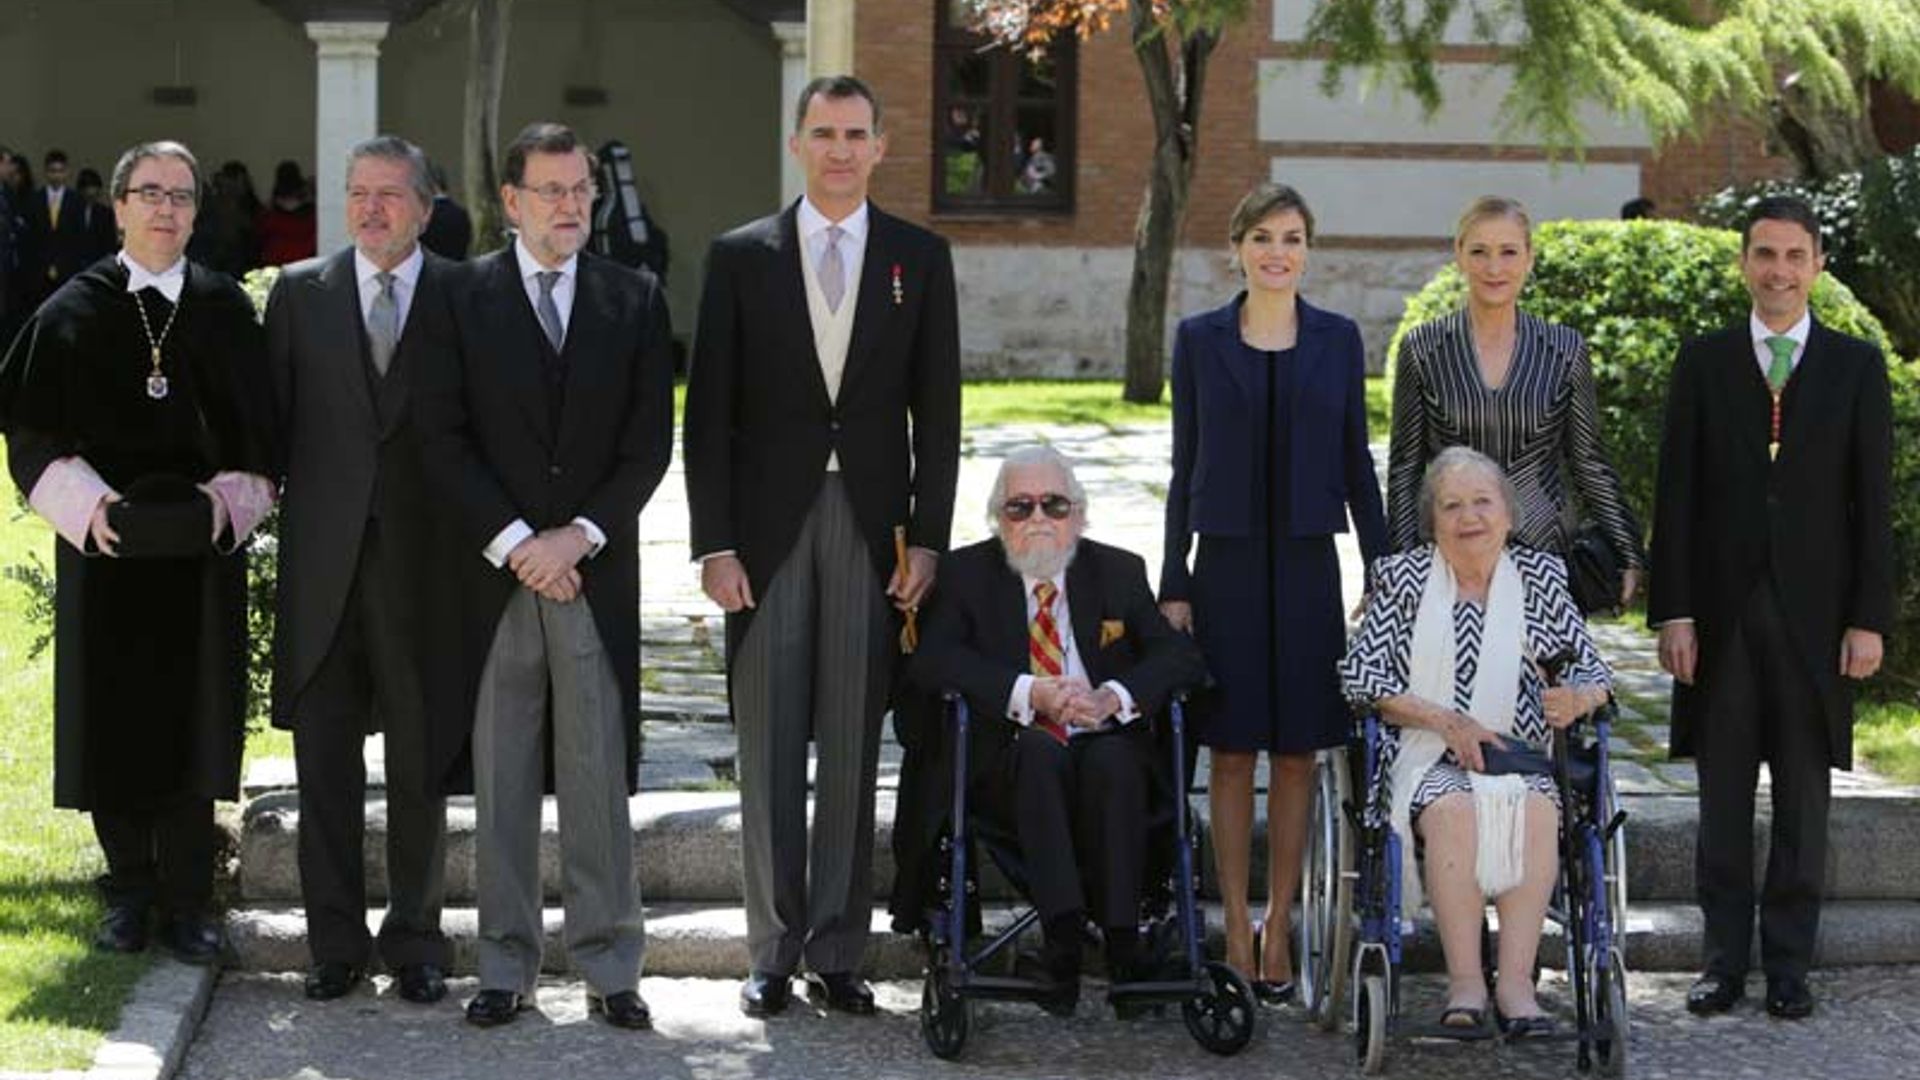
[1070, 700]
[547, 562]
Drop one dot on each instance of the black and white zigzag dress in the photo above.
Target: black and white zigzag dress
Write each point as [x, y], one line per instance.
[1544, 414]
[1379, 660]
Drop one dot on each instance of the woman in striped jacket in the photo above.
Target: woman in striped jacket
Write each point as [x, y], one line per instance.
[1512, 386]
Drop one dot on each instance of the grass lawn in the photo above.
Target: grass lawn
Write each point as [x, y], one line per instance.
[57, 996]
[1887, 735]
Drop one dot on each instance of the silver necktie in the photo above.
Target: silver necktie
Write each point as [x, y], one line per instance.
[383, 323]
[833, 270]
[548, 311]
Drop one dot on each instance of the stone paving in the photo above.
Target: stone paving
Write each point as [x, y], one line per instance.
[260, 1028]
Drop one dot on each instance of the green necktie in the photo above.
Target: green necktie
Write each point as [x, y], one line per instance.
[1782, 347]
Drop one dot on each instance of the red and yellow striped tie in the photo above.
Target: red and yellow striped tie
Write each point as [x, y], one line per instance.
[1046, 658]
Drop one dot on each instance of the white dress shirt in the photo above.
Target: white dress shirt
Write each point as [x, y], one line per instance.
[168, 281]
[1020, 702]
[812, 225]
[1764, 354]
[406, 281]
[518, 530]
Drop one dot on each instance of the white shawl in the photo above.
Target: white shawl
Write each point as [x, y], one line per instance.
[1499, 801]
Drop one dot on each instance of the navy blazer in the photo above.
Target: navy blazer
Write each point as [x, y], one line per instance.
[1215, 393]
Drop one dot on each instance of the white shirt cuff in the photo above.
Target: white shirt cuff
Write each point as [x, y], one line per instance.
[1677, 620]
[1128, 711]
[1020, 702]
[504, 543]
[595, 538]
[702, 560]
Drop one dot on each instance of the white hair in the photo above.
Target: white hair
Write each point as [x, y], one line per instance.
[1452, 459]
[1021, 457]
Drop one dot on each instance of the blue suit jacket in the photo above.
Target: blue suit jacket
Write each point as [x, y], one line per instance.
[1216, 391]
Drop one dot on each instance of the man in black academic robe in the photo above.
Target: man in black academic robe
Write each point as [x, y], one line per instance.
[142, 368]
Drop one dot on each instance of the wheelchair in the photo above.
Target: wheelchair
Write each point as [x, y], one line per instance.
[1216, 1003]
[1352, 923]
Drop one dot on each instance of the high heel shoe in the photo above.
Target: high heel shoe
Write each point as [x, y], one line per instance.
[1267, 991]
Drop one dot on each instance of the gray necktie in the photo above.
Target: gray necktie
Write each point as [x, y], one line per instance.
[548, 311]
[833, 270]
[383, 323]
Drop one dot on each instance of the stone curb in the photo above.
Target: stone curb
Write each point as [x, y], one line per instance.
[156, 1024]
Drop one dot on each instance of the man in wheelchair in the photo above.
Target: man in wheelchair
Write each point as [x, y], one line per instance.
[1450, 654]
[1060, 651]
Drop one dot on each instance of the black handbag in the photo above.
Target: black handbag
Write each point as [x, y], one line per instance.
[1594, 573]
[162, 517]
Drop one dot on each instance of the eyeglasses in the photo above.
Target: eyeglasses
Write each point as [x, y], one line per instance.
[1020, 508]
[154, 195]
[551, 193]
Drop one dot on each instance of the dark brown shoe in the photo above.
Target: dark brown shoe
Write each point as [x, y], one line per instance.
[765, 994]
[841, 991]
[625, 1009]
[329, 981]
[422, 984]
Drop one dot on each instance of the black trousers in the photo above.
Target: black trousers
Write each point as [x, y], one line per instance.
[369, 671]
[1080, 811]
[161, 857]
[1764, 708]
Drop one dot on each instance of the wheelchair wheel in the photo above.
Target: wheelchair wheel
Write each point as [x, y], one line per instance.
[1326, 894]
[1617, 883]
[1370, 1025]
[945, 1016]
[1222, 1020]
[1610, 1017]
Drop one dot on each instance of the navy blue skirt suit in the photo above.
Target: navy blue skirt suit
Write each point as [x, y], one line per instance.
[1269, 454]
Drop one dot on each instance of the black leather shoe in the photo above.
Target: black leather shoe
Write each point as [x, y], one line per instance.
[841, 990]
[422, 984]
[765, 994]
[491, 1008]
[623, 1010]
[193, 939]
[1715, 993]
[328, 981]
[122, 929]
[1788, 998]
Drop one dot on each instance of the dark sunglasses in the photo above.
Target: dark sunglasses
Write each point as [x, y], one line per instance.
[1056, 507]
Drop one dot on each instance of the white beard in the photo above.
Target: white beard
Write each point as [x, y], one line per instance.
[1041, 561]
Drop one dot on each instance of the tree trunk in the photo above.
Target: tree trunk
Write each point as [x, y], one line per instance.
[1174, 96]
[1824, 140]
[480, 154]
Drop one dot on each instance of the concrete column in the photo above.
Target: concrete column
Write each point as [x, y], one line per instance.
[348, 77]
[793, 76]
[830, 37]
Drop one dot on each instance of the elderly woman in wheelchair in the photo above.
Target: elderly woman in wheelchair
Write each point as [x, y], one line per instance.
[1451, 655]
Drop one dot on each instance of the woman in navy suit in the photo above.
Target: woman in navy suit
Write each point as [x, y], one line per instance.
[1269, 453]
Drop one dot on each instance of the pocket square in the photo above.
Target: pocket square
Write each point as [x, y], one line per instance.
[1111, 630]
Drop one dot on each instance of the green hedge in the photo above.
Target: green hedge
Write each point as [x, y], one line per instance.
[1636, 290]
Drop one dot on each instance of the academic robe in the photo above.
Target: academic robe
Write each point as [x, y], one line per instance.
[150, 655]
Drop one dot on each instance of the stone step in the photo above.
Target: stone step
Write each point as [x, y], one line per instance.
[709, 940]
[686, 847]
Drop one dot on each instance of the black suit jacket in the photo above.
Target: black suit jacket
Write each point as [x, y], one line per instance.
[494, 455]
[1817, 521]
[760, 424]
[348, 451]
[66, 249]
[975, 641]
[449, 230]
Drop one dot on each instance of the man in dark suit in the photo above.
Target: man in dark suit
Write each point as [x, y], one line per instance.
[449, 231]
[346, 335]
[823, 412]
[56, 227]
[96, 219]
[546, 432]
[1772, 586]
[1060, 651]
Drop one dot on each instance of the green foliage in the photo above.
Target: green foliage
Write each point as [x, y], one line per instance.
[1870, 227]
[1653, 59]
[1637, 289]
[1886, 734]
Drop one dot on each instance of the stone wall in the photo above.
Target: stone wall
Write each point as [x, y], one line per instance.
[1061, 312]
